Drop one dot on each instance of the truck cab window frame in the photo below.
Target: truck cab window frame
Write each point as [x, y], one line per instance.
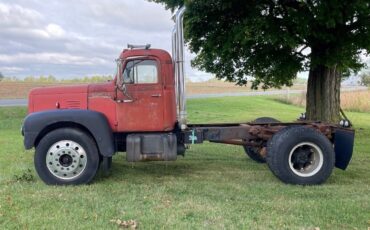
[140, 71]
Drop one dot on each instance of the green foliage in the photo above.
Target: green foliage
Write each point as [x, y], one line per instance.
[365, 79]
[1, 76]
[273, 40]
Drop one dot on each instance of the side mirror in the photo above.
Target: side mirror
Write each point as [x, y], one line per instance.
[120, 83]
[119, 78]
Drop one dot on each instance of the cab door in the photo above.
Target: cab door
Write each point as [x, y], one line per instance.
[140, 104]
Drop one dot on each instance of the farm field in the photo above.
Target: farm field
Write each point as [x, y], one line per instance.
[15, 90]
[356, 101]
[215, 86]
[213, 187]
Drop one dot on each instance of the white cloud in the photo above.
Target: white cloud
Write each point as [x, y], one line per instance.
[136, 15]
[11, 69]
[18, 21]
[55, 30]
[25, 33]
[13, 15]
[77, 38]
[51, 58]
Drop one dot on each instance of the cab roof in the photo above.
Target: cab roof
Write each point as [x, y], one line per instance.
[160, 54]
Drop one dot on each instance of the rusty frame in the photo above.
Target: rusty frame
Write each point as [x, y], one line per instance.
[250, 134]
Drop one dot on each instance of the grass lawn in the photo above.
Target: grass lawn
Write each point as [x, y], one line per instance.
[214, 187]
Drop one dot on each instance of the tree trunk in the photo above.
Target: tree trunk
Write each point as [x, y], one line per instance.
[323, 94]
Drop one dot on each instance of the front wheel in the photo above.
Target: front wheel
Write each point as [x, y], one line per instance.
[66, 156]
[300, 155]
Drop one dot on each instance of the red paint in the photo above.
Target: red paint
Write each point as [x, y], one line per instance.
[68, 97]
[153, 107]
[102, 99]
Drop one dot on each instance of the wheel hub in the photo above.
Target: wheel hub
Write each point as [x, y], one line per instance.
[66, 159]
[306, 159]
[301, 156]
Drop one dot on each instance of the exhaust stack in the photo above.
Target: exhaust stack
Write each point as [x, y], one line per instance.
[178, 59]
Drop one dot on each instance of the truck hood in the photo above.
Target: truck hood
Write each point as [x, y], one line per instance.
[58, 97]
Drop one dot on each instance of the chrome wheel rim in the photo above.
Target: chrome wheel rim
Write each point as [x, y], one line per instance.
[306, 159]
[66, 159]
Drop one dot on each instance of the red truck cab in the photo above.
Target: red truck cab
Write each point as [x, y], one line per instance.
[141, 98]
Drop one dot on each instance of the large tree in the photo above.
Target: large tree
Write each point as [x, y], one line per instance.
[272, 40]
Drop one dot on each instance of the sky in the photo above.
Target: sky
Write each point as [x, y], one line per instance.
[79, 38]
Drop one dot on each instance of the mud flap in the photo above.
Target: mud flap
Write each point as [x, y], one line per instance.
[343, 147]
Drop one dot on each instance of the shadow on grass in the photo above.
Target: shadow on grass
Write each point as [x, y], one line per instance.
[123, 171]
[182, 169]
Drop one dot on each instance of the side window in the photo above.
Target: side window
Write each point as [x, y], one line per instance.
[140, 72]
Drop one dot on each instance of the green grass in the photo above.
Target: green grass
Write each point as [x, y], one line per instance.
[213, 187]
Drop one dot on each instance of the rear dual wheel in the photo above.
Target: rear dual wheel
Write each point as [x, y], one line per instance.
[300, 155]
[66, 156]
[255, 152]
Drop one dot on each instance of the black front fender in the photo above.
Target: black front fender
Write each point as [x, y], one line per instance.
[36, 124]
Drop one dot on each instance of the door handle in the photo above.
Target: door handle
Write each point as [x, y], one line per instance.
[156, 95]
[125, 101]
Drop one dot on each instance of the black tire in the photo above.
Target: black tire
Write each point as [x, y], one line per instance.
[254, 152]
[266, 120]
[75, 162]
[300, 155]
